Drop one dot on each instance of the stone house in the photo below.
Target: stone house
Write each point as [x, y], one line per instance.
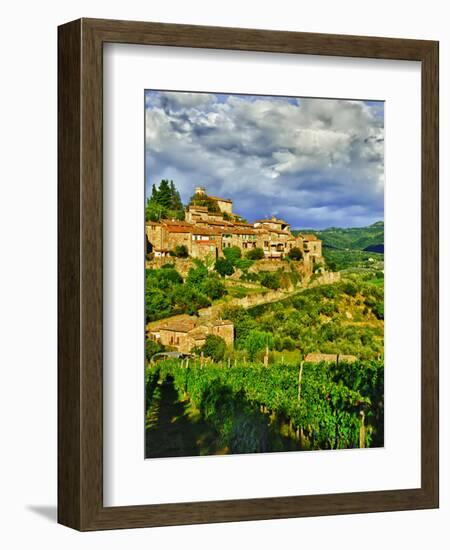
[184, 335]
[208, 233]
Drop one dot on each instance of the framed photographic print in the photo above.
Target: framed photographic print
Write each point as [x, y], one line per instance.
[248, 274]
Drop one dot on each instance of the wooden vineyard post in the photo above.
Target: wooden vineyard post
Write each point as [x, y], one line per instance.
[300, 374]
[299, 394]
[362, 431]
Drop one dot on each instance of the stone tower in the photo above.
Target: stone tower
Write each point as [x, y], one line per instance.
[200, 191]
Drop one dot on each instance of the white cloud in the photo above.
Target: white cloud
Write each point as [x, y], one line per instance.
[293, 155]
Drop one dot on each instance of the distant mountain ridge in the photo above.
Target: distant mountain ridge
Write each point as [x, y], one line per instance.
[370, 238]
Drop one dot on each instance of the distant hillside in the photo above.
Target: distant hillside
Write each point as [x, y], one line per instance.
[370, 239]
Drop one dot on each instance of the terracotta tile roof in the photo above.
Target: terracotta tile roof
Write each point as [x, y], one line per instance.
[216, 222]
[279, 232]
[240, 231]
[220, 199]
[175, 222]
[198, 333]
[276, 220]
[309, 237]
[179, 326]
[178, 229]
[242, 224]
[222, 322]
[198, 208]
[196, 230]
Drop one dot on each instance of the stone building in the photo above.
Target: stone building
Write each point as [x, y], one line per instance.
[205, 233]
[184, 335]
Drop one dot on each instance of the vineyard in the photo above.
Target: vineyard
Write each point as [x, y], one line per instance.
[254, 408]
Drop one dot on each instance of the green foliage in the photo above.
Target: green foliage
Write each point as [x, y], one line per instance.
[328, 413]
[232, 254]
[270, 280]
[164, 202]
[197, 274]
[243, 323]
[214, 347]
[316, 320]
[213, 287]
[167, 294]
[152, 347]
[200, 199]
[317, 267]
[255, 254]
[256, 341]
[356, 238]
[180, 251]
[339, 260]
[244, 264]
[295, 254]
[349, 288]
[224, 267]
[189, 300]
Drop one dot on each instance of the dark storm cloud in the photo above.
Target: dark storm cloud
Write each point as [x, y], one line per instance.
[314, 162]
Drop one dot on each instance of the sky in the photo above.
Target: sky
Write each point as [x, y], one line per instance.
[315, 163]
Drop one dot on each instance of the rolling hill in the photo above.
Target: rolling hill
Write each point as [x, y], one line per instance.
[353, 247]
[369, 239]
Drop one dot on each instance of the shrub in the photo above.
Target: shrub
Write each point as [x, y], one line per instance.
[295, 254]
[257, 340]
[213, 287]
[270, 280]
[180, 251]
[349, 288]
[214, 347]
[198, 274]
[152, 347]
[224, 267]
[243, 264]
[189, 299]
[255, 254]
[232, 254]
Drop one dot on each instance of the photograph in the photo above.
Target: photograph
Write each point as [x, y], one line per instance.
[264, 273]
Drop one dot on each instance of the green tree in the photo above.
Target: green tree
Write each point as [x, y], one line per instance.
[232, 254]
[256, 341]
[157, 304]
[255, 254]
[164, 202]
[200, 199]
[152, 347]
[197, 274]
[224, 267]
[270, 280]
[214, 347]
[189, 300]
[295, 254]
[213, 287]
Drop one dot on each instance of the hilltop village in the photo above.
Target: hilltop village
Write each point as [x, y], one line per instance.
[210, 227]
[207, 232]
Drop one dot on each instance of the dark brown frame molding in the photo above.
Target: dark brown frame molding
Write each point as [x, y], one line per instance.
[80, 264]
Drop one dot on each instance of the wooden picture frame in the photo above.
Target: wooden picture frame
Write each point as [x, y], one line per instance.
[80, 322]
